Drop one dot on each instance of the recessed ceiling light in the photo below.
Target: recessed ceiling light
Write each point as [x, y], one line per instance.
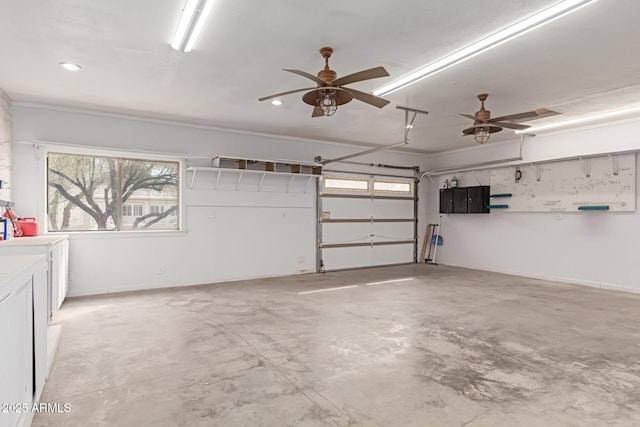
[496, 39]
[70, 67]
[276, 102]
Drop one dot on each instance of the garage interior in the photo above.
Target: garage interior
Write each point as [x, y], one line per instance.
[440, 232]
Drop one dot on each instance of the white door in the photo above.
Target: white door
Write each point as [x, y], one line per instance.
[367, 220]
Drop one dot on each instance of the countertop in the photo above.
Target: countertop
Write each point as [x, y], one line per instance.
[34, 240]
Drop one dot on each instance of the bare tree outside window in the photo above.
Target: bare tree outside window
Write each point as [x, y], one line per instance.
[97, 192]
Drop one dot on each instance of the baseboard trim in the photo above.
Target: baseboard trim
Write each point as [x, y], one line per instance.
[587, 283]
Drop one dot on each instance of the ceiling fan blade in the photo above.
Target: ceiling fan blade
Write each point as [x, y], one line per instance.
[308, 75]
[372, 73]
[317, 112]
[264, 98]
[368, 98]
[511, 125]
[469, 116]
[529, 115]
[544, 112]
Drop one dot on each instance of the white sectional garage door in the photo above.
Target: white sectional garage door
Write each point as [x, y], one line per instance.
[369, 223]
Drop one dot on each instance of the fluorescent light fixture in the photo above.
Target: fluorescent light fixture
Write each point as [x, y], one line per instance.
[191, 22]
[534, 21]
[70, 67]
[276, 102]
[580, 120]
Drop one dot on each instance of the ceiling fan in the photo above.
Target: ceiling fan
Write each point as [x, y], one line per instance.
[330, 91]
[484, 125]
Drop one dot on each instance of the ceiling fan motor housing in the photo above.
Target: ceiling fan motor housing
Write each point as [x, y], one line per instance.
[327, 75]
[483, 115]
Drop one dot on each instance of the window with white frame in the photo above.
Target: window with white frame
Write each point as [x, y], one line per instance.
[102, 193]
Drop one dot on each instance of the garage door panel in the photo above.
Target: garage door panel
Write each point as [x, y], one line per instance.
[387, 208]
[347, 208]
[346, 232]
[392, 254]
[384, 231]
[341, 258]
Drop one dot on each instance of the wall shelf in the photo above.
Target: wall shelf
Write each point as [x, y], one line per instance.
[594, 208]
[501, 195]
[281, 166]
[245, 166]
[241, 172]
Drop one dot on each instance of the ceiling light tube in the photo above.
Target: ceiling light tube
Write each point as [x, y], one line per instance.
[496, 39]
[581, 120]
[191, 23]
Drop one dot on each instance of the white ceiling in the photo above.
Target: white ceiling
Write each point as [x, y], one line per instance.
[581, 63]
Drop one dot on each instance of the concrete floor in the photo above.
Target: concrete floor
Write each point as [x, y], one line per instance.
[453, 347]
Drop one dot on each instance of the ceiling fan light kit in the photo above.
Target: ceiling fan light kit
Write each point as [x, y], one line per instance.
[326, 101]
[191, 22]
[532, 22]
[328, 104]
[482, 133]
[330, 91]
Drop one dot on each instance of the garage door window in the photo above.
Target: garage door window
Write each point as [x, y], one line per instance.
[393, 186]
[351, 184]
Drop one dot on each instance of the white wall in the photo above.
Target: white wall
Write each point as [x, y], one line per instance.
[219, 243]
[593, 248]
[590, 248]
[5, 148]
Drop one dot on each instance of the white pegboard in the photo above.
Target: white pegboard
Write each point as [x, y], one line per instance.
[566, 185]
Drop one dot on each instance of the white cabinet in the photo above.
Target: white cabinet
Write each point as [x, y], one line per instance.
[56, 249]
[23, 339]
[59, 274]
[40, 323]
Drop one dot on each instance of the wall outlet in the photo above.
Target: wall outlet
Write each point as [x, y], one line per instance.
[301, 260]
[212, 214]
[161, 269]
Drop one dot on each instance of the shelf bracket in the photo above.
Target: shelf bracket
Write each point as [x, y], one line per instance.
[586, 167]
[193, 177]
[239, 179]
[615, 164]
[261, 181]
[290, 182]
[218, 178]
[306, 187]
